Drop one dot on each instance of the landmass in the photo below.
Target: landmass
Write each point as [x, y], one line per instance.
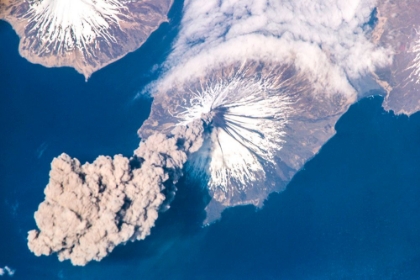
[85, 35]
[239, 116]
[395, 27]
[398, 29]
[310, 124]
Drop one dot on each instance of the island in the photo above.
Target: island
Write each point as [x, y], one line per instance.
[268, 120]
[239, 113]
[85, 35]
[310, 116]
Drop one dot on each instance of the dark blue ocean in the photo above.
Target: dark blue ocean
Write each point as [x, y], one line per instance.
[352, 213]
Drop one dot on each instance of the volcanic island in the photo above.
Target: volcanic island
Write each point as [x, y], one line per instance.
[85, 35]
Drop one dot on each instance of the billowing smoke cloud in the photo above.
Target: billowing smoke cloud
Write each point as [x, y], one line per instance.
[7, 271]
[89, 209]
[268, 78]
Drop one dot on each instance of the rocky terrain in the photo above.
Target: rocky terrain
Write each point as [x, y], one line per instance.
[398, 29]
[308, 124]
[84, 34]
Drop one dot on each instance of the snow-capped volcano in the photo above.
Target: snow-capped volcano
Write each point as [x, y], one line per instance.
[84, 34]
[64, 25]
[267, 120]
[248, 119]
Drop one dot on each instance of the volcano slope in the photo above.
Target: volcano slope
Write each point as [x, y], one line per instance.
[267, 121]
[84, 34]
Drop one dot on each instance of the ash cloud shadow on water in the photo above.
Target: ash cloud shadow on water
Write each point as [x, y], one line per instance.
[183, 220]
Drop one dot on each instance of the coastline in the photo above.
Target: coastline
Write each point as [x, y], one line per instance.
[85, 62]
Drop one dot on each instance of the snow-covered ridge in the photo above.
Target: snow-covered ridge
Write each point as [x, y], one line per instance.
[84, 34]
[267, 119]
[249, 116]
[415, 67]
[63, 25]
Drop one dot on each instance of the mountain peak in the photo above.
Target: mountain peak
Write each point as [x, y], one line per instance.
[84, 34]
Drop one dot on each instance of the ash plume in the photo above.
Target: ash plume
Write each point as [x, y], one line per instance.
[91, 208]
[250, 92]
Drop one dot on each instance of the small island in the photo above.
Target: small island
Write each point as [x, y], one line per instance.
[85, 35]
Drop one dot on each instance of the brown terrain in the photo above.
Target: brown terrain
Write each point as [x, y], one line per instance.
[398, 29]
[311, 125]
[139, 20]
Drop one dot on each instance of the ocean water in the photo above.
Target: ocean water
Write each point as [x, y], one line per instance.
[352, 213]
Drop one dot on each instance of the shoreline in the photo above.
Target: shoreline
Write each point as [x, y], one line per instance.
[99, 53]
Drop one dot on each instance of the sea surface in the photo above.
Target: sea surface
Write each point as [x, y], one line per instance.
[353, 212]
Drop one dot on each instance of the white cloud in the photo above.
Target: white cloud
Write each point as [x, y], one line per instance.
[325, 38]
[325, 42]
[7, 271]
